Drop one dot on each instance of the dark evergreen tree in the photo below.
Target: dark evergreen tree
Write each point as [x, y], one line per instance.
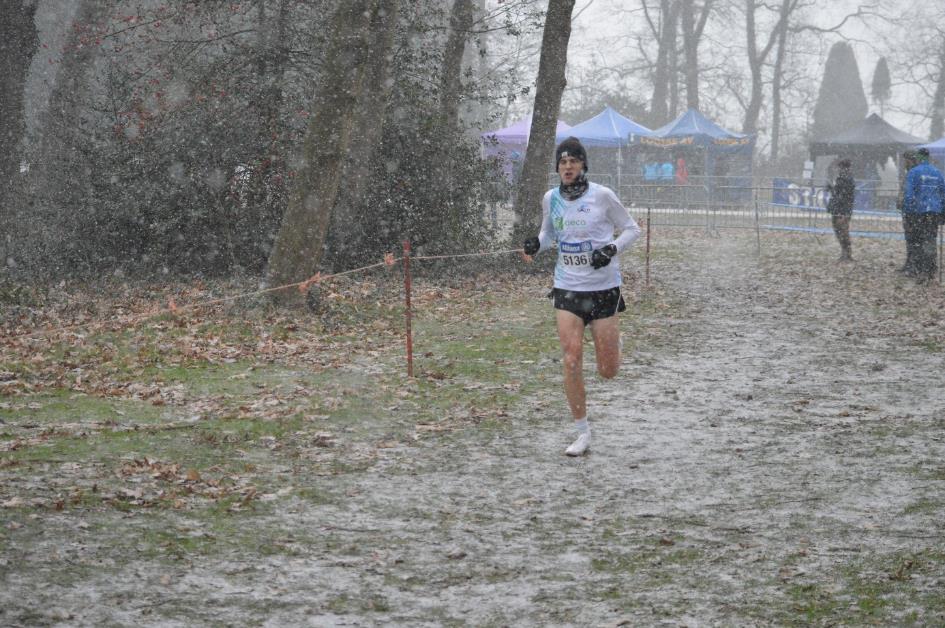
[881, 88]
[841, 102]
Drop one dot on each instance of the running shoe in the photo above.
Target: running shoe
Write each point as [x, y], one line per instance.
[580, 446]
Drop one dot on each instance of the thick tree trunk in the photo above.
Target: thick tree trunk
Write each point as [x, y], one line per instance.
[345, 127]
[350, 216]
[18, 44]
[549, 87]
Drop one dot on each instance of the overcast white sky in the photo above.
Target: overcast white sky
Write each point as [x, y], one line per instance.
[596, 19]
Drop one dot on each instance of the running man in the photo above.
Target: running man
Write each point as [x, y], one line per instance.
[582, 218]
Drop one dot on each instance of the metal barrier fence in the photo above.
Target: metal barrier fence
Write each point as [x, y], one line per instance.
[740, 207]
[715, 204]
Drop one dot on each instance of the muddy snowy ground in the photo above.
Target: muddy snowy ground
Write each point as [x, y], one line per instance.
[772, 453]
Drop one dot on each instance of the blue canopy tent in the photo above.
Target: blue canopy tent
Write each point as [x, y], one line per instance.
[936, 150]
[606, 130]
[709, 150]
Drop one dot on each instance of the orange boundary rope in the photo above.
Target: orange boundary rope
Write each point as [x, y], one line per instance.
[302, 286]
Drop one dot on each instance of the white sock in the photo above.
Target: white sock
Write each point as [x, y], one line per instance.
[582, 426]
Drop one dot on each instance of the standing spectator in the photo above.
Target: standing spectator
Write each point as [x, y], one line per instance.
[667, 171]
[651, 171]
[908, 161]
[840, 207]
[682, 173]
[924, 202]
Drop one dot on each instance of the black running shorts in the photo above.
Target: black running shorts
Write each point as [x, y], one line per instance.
[589, 306]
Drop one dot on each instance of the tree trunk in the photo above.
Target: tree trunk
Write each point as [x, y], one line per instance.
[478, 59]
[345, 127]
[757, 58]
[691, 68]
[350, 216]
[755, 61]
[673, 67]
[59, 179]
[18, 44]
[776, 81]
[692, 33]
[937, 126]
[659, 113]
[451, 79]
[273, 63]
[549, 87]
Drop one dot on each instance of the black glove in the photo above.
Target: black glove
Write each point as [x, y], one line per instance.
[531, 246]
[601, 257]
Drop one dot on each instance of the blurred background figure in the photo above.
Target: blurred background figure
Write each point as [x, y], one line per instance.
[840, 207]
[909, 159]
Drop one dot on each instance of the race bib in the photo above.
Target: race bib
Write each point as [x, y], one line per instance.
[575, 253]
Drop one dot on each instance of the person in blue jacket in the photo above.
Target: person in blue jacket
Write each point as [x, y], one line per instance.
[924, 203]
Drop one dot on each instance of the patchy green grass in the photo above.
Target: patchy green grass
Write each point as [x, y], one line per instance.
[871, 590]
[66, 406]
[811, 604]
[152, 393]
[929, 344]
[289, 456]
[923, 506]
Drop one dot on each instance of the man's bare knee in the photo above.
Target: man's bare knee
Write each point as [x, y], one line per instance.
[572, 362]
[608, 371]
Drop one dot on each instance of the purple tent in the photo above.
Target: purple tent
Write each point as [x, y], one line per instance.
[516, 134]
[509, 144]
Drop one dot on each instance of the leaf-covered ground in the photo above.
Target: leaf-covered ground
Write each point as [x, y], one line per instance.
[772, 453]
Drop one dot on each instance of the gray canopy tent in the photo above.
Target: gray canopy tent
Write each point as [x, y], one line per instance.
[867, 144]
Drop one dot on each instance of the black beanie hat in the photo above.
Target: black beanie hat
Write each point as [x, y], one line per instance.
[571, 147]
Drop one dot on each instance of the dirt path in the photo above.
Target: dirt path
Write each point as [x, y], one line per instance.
[752, 465]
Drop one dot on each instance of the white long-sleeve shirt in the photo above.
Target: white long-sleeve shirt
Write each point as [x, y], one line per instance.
[579, 227]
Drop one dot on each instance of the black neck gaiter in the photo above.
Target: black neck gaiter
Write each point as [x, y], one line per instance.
[575, 190]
